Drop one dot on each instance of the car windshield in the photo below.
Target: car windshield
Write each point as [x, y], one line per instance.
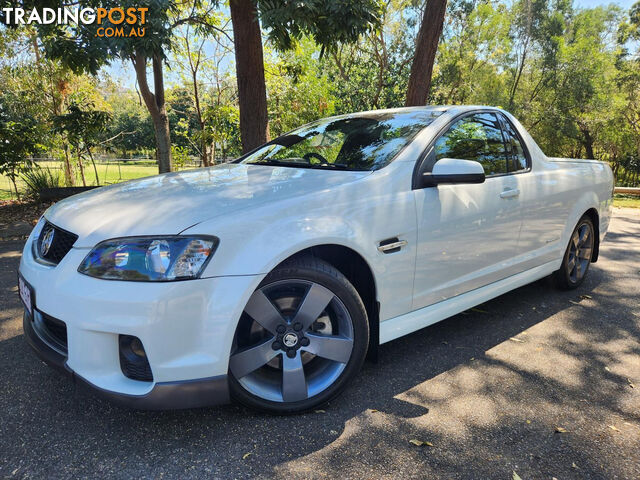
[359, 142]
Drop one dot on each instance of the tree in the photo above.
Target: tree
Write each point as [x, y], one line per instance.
[426, 48]
[252, 91]
[473, 55]
[81, 48]
[299, 91]
[329, 23]
[373, 72]
[16, 145]
[83, 128]
[222, 127]
[191, 51]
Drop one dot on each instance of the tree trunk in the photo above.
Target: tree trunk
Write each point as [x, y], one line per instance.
[252, 92]
[81, 167]
[156, 105]
[68, 174]
[12, 177]
[588, 144]
[95, 169]
[426, 48]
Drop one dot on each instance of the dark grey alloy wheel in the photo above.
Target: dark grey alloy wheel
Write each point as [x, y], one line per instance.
[302, 334]
[578, 255]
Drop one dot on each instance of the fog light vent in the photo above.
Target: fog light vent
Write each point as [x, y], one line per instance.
[133, 359]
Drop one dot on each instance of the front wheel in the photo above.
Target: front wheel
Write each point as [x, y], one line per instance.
[302, 336]
[577, 257]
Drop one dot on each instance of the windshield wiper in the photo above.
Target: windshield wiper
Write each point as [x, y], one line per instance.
[280, 163]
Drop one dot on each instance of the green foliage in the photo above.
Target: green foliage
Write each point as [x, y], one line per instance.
[37, 179]
[298, 90]
[17, 143]
[82, 125]
[329, 23]
[80, 48]
[223, 129]
[180, 156]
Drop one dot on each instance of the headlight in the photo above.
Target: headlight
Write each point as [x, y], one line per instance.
[35, 235]
[148, 259]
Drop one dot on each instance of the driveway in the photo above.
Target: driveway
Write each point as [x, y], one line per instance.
[538, 382]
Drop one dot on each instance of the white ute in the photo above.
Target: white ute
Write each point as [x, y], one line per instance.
[267, 280]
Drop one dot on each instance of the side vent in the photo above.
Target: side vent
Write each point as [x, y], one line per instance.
[391, 245]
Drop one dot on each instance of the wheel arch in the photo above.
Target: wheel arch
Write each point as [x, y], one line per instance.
[585, 204]
[357, 270]
[592, 213]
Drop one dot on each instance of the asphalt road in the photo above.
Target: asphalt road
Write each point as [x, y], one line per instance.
[488, 389]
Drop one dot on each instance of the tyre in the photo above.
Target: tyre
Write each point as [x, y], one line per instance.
[577, 257]
[302, 337]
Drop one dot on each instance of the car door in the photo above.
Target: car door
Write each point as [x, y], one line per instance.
[467, 233]
[544, 207]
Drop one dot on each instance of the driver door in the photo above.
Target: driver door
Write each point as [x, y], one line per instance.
[467, 233]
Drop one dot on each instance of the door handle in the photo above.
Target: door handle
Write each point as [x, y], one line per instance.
[391, 245]
[510, 193]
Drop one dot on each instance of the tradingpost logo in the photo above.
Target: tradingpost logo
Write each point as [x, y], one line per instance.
[112, 22]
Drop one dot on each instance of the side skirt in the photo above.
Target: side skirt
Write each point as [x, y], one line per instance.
[410, 322]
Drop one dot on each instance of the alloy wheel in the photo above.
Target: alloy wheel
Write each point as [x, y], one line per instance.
[293, 341]
[580, 250]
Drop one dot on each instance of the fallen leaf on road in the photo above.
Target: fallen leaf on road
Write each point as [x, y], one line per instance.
[607, 369]
[420, 443]
[586, 297]
[516, 340]
[630, 384]
[561, 430]
[529, 421]
[573, 465]
[373, 410]
[614, 428]
[246, 455]
[515, 476]
[319, 411]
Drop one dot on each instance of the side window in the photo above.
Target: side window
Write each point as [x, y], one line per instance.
[476, 137]
[516, 159]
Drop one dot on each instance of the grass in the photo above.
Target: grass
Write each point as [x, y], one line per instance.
[627, 201]
[107, 173]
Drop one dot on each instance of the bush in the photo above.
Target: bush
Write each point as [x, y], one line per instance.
[180, 156]
[37, 179]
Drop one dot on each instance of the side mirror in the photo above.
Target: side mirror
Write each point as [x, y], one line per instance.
[453, 170]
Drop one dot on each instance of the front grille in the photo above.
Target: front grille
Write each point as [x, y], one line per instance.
[58, 246]
[136, 370]
[52, 331]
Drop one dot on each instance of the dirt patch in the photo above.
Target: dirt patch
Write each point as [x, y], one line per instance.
[13, 211]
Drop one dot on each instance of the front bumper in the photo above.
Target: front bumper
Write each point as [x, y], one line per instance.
[163, 396]
[186, 327]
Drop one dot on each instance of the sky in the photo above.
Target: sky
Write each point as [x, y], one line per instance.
[124, 74]
[625, 4]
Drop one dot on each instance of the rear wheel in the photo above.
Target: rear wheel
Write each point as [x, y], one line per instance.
[577, 257]
[303, 334]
